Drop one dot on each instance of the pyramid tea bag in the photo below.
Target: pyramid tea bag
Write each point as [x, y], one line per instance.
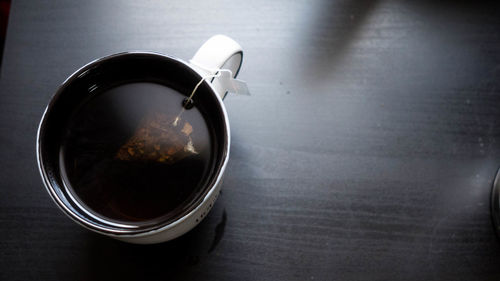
[164, 138]
[158, 138]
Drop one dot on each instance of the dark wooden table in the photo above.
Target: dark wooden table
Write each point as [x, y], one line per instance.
[366, 151]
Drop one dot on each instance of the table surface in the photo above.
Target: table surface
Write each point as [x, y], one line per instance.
[367, 150]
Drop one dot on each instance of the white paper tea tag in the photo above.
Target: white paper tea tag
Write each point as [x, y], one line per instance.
[232, 85]
[224, 80]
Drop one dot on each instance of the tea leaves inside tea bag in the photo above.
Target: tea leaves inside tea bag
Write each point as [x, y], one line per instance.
[158, 139]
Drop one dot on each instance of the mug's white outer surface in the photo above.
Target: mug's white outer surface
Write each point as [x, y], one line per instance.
[218, 52]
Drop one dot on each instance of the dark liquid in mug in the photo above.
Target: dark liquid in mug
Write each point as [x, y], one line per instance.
[126, 158]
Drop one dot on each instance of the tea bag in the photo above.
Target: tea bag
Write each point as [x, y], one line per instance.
[167, 139]
[157, 139]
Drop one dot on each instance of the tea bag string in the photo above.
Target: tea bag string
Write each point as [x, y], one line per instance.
[190, 98]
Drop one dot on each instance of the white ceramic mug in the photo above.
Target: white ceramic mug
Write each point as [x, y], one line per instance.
[219, 52]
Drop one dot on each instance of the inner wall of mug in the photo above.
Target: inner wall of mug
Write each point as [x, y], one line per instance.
[112, 72]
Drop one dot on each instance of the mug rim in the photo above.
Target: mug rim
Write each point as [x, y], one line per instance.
[119, 230]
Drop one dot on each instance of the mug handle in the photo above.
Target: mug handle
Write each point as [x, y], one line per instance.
[218, 52]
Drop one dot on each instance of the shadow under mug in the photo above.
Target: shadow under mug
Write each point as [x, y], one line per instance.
[218, 52]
